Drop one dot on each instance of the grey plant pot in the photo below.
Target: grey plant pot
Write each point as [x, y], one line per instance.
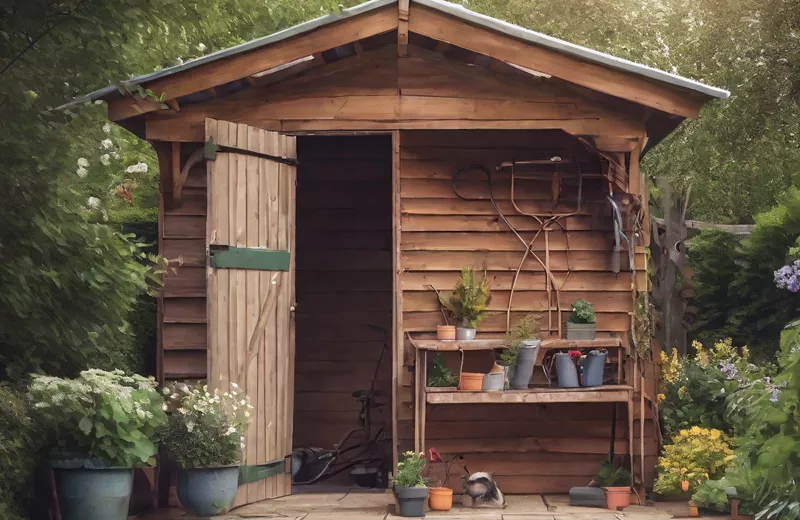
[411, 501]
[93, 494]
[465, 333]
[566, 371]
[208, 491]
[594, 367]
[494, 382]
[526, 361]
[578, 331]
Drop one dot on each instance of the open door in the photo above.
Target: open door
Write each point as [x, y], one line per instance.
[250, 237]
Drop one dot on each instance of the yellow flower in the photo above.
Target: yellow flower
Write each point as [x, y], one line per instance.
[661, 398]
[745, 353]
[664, 359]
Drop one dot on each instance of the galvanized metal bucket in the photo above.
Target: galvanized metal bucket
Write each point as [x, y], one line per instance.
[594, 367]
[93, 494]
[208, 491]
[526, 362]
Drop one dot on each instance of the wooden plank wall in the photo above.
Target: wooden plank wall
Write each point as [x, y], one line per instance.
[182, 231]
[344, 283]
[531, 448]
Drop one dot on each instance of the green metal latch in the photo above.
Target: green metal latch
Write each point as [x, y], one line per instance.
[250, 258]
[254, 473]
[210, 150]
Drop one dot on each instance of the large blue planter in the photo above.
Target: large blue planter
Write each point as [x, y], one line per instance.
[94, 494]
[208, 491]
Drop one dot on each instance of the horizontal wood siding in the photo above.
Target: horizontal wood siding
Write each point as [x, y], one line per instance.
[183, 317]
[529, 448]
[344, 283]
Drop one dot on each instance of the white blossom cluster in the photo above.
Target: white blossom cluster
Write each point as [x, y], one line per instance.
[139, 167]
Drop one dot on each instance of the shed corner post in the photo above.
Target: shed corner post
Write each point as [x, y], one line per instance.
[397, 307]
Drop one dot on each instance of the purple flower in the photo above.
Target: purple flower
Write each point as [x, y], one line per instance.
[774, 395]
[729, 369]
[788, 277]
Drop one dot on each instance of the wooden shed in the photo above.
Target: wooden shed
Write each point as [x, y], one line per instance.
[310, 204]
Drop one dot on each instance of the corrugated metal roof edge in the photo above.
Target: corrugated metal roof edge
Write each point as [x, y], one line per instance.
[456, 10]
[584, 53]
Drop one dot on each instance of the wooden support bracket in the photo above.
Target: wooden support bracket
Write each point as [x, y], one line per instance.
[180, 180]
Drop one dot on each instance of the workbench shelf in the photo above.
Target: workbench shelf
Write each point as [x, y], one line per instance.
[599, 394]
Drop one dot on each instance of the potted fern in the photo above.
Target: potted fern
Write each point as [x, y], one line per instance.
[616, 483]
[582, 322]
[440, 376]
[468, 303]
[523, 348]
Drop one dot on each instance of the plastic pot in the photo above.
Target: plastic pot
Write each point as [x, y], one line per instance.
[578, 331]
[594, 367]
[440, 499]
[617, 497]
[94, 494]
[566, 371]
[526, 361]
[208, 491]
[446, 332]
[471, 382]
[465, 333]
[411, 501]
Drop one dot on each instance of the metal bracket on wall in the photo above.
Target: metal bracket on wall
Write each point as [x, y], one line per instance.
[211, 149]
[249, 258]
[256, 472]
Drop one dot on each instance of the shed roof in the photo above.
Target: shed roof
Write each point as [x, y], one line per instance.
[458, 11]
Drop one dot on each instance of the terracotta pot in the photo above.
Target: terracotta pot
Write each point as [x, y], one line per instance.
[446, 332]
[617, 497]
[471, 382]
[440, 499]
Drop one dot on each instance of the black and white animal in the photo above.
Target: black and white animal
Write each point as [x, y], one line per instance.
[484, 492]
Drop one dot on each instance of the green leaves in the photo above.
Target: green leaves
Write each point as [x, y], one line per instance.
[469, 301]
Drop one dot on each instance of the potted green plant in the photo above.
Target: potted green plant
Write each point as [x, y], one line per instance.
[616, 483]
[440, 376]
[523, 349]
[468, 303]
[410, 488]
[204, 436]
[582, 322]
[103, 424]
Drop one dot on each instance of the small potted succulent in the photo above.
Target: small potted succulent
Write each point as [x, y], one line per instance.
[410, 487]
[523, 349]
[582, 322]
[468, 303]
[104, 424]
[204, 436]
[616, 483]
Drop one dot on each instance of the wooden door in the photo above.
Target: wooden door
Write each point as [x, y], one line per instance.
[250, 236]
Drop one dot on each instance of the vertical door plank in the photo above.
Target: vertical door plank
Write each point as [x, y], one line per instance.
[288, 431]
[253, 300]
[233, 168]
[282, 318]
[274, 361]
[260, 419]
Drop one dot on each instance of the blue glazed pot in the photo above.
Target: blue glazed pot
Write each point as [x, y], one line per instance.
[208, 491]
[94, 494]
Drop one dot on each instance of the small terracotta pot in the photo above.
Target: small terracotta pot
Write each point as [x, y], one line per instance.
[446, 332]
[617, 497]
[471, 382]
[440, 499]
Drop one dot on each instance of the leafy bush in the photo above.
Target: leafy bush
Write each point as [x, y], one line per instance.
[17, 453]
[582, 312]
[736, 295]
[712, 494]
[470, 299]
[440, 375]
[108, 417]
[695, 455]
[409, 470]
[205, 430]
[695, 388]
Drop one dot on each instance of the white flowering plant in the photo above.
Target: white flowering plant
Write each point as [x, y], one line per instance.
[205, 429]
[103, 418]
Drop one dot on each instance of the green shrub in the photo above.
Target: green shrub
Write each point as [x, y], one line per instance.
[440, 375]
[712, 494]
[470, 299]
[18, 454]
[582, 312]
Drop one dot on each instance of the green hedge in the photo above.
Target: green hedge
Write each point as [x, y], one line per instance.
[18, 455]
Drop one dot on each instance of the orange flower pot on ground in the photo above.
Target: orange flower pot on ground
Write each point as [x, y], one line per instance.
[617, 497]
[440, 499]
[471, 382]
